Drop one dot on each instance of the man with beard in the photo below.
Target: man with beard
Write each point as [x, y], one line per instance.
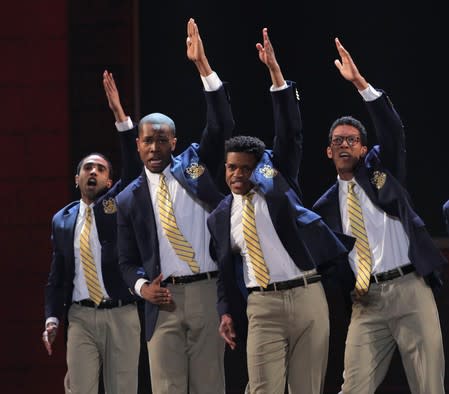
[393, 255]
[164, 242]
[85, 283]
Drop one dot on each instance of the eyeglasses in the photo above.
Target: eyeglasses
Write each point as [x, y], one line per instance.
[350, 140]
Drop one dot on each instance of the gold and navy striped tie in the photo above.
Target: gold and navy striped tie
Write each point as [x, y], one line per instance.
[252, 242]
[180, 245]
[361, 245]
[87, 261]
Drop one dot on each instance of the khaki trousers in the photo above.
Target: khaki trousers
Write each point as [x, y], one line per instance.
[186, 351]
[288, 340]
[399, 313]
[103, 337]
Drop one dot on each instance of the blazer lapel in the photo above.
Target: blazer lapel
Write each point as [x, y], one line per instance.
[69, 232]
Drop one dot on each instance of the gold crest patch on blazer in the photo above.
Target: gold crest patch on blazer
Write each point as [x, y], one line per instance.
[378, 179]
[109, 206]
[268, 171]
[195, 170]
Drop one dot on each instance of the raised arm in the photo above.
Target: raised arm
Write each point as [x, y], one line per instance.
[267, 57]
[387, 123]
[113, 97]
[347, 67]
[219, 118]
[131, 163]
[195, 49]
[287, 143]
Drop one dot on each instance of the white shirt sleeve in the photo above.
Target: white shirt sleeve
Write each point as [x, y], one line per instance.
[211, 82]
[124, 126]
[370, 94]
[52, 320]
[139, 283]
[275, 89]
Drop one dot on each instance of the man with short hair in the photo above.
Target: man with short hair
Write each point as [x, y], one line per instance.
[263, 229]
[85, 283]
[393, 254]
[164, 242]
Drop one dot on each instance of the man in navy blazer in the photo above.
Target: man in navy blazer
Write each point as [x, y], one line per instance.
[104, 335]
[185, 350]
[288, 321]
[392, 305]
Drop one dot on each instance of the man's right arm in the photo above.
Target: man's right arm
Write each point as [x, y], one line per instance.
[54, 289]
[131, 163]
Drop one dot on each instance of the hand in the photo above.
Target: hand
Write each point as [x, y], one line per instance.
[195, 49]
[347, 67]
[113, 97]
[154, 293]
[267, 57]
[227, 331]
[49, 336]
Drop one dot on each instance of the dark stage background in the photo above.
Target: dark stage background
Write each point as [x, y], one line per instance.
[54, 112]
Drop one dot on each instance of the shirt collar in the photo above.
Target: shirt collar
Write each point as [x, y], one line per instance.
[83, 207]
[153, 178]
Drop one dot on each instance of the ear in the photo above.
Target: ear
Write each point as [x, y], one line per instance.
[173, 144]
[363, 151]
[76, 180]
[137, 144]
[109, 183]
[329, 152]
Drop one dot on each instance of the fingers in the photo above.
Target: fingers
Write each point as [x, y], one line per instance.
[228, 336]
[338, 64]
[190, 25]
[48, 337]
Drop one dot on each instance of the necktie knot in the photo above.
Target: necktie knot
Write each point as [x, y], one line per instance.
[351, 186]
[249, 196]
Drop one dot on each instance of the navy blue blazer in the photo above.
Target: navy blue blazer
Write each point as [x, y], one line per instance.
[59, 288]
[195, 169]
[309, 242]
[382, 175]
[446, 215]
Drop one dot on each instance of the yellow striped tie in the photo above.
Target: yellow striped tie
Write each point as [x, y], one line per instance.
[361, 245]
[180, 245]
[252, 242]
[87, 261]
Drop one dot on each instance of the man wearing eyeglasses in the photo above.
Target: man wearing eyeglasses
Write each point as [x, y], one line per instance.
[394, 259]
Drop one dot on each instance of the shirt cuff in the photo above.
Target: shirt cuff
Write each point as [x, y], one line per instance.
[139, 283]
[52, 320]
[211, 82]
[370, 94]
[275, 89]
[125, 125]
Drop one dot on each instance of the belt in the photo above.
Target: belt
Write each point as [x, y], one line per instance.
[104, 304]
[288, 284]
[180, 280]
[392, 274]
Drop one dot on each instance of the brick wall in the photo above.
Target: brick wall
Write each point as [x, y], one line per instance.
[34, 176]
[53, 111]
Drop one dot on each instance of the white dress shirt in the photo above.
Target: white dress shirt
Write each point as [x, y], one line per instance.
[190, 215]
[280, 265]
[387, 238]
[80, 291]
